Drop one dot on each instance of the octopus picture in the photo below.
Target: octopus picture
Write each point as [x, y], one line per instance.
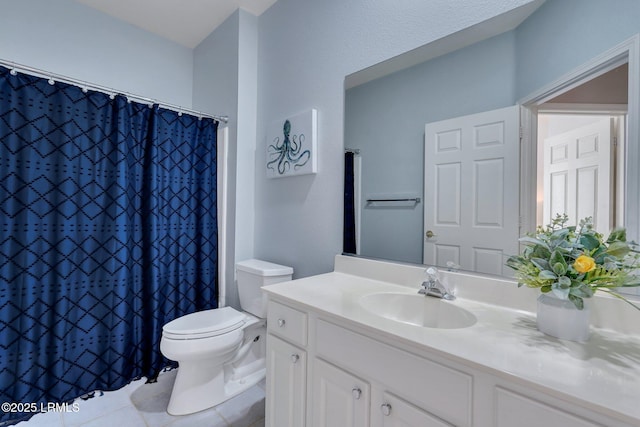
[286, 152]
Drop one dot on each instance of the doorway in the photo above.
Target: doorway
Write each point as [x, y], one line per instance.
[578, 92]
[580, 152]
[607, 86]
[580, 168]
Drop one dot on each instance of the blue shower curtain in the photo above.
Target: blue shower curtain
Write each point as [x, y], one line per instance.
[107, 231]
[349, 224]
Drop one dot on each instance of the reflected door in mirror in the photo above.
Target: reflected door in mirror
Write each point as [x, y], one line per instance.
[470, 191]
[579, 173]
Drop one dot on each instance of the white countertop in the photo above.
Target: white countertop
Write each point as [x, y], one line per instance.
[602, 374]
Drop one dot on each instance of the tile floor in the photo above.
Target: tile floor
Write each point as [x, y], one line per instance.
[144, 405]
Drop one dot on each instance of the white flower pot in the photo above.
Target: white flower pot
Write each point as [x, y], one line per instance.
[561, 319]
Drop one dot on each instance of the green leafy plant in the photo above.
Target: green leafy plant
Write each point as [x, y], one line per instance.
[575, 262]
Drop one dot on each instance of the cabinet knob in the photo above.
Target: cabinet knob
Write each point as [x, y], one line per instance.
[356, 393]
[295, 358]
[281, 322]
[386, 409]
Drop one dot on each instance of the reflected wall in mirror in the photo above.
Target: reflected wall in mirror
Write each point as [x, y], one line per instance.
[521, 63]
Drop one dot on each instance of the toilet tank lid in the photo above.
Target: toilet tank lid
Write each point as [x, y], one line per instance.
[263, 268]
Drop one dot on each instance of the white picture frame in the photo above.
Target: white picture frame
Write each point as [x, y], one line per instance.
[292, 146]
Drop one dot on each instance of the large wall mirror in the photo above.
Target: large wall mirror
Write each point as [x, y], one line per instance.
[544, 101]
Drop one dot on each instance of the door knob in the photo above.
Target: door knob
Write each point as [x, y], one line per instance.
[386, 409]
[356, 393]
[295, 358]
[281, 322]
[430, 234]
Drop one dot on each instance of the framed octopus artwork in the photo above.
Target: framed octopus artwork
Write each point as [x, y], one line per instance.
[291, 146]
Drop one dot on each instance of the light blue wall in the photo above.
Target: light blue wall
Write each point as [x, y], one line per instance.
[74, 40]
[215, 70]
[563, 34]
[215, 88]
[386, 119]
[306, 49]
[247, 116]
[225, 81]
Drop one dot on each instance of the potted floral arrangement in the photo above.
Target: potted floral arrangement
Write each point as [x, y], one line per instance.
[569, 264]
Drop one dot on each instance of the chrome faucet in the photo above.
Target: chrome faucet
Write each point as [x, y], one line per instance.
[433, 288]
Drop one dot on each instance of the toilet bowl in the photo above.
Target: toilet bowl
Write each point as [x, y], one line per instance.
[221, 352]
[209, 355]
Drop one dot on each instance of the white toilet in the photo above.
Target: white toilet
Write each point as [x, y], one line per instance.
[221, 352]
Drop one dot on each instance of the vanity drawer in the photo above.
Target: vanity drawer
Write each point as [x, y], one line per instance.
[287, 323]
[438, 389]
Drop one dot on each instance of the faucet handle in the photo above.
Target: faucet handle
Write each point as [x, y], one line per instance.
[432, 274]
[452, 266]
[433, 287]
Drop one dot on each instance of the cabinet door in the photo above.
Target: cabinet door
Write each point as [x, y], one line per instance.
[286, 384]
[395, 412]
[339, 398]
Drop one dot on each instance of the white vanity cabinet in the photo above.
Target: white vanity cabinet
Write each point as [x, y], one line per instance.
[396, 412]
[342, 378]
[339, 398]
[323, 371]
[517, 409]
[405, 389]
[286, 366]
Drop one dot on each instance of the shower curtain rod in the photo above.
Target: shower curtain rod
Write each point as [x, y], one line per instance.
[25, 69]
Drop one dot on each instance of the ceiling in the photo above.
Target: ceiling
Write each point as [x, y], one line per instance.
[186, 22]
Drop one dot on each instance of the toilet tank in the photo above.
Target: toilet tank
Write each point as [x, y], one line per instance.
[252, 275]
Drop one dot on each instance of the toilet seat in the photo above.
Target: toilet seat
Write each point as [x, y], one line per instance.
[204, 324]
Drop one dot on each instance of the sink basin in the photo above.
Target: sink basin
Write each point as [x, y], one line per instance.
[418, 310]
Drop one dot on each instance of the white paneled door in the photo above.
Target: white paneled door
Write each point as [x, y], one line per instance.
[472, 190]
[578, 174]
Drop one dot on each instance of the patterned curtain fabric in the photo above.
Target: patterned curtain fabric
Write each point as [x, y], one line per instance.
[349, 228]
[107, 231]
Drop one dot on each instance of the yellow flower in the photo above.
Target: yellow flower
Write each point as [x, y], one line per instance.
[584, 264]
